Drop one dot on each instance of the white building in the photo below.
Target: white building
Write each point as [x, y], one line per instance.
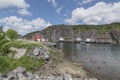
[61, 39]
[88, 40]
[78, 39]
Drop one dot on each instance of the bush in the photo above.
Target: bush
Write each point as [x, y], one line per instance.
[18, 44]
[12, 34]
[30, 64]
[9, 64]
[3, 64]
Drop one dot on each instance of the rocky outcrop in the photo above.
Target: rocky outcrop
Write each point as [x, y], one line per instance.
[71, 32]
[54, 33]
[19, 52]
[39, 52]
[20, 73]
[57, 68]
[54, 68]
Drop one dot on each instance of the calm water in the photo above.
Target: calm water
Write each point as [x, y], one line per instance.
[103, 60]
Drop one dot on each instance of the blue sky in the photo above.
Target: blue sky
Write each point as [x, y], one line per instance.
[30, 15]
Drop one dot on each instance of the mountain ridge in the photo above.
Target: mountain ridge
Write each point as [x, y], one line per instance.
[53, 33]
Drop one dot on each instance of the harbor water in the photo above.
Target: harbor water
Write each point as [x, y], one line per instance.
[102, 60]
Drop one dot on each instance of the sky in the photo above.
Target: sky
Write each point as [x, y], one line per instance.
[26, 16]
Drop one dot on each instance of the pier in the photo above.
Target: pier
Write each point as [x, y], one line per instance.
[90, 36]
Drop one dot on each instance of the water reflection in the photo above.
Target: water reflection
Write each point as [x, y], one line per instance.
[101, 59]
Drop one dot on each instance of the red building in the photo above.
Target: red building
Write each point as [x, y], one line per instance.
[38, 37]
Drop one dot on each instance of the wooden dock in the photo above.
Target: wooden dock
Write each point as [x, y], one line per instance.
[49, 44]
[112, 37]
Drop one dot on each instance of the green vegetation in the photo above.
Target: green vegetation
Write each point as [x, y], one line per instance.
[82, 28]
[9, 39]
[12, 34]
[8, 64]
[3, 39]
[99, 28]
[29, 35]
[20, 44]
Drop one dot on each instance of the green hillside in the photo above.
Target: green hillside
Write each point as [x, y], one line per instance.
[82, 28]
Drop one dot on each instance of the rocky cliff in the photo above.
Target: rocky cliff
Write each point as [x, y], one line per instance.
[71, 32]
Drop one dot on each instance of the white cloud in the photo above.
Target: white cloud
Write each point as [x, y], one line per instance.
[11, 3]
[92, 20]
[99, 13]
[23, 26]
[20, 4]
[86, 1]
[59, 10]
[53, 2]
[81, 2]
[24, 12]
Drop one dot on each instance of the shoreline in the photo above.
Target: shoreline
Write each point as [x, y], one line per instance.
[58, 66]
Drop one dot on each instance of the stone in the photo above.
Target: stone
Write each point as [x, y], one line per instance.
[19, 70]
[50, 77]
[36, 77]
[19, 52]
[67, 77]
[21, 76]
[1, 78]
[30, 76]
[36, 52]
[59, 78]
[41, 53]
[12, 78]
[4, 75]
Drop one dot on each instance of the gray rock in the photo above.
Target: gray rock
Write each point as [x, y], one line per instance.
[30, 76]
[50, 77]
[59, 78]
[78, 79]
[16, 74]
[1, 78]
[67, 77]
[20, 73]
[4, 75]
[19, 52]
[21, 76]
[36, 52]
[12, 76]
[40, 53]
[90, 79]
[19, 70]
[36, 77]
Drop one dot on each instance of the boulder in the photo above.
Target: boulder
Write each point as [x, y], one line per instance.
[19, 70]
[30, 76]
[19, 52]
[36, 77]
[19, 73]
[50, 77]
[67, 77]
[21, 76]
[36, 52]
[40, 53]
[59, 78]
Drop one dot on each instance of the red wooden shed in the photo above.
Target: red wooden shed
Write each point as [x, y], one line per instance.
[38, 37]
